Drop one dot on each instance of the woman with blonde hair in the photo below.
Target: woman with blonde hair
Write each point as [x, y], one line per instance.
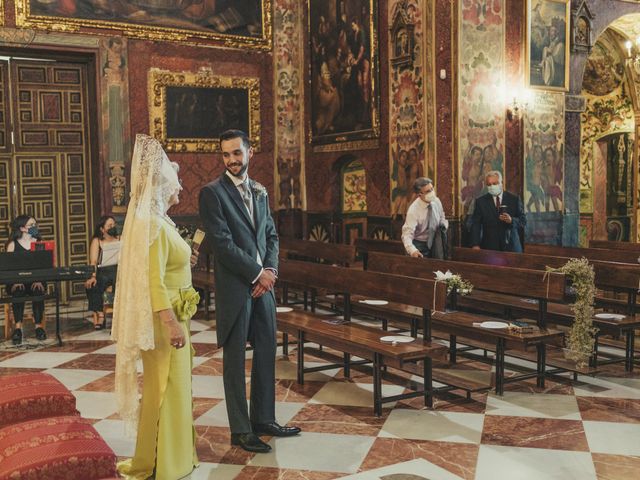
[153, 306]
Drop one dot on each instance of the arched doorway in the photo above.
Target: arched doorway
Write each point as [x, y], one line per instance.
[608, 151]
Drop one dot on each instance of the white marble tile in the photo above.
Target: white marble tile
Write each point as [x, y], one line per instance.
[113, 432]
[206, 386]
[608, 387]
[108, 350]
[73, 379]
[217, 416]
[525, 404]
[413, 469]
[513, 463]
[208, 336]
[353, 394]
[40, 359]
[199, 326]
[95, 404]
[95, 335]
[215, 471]
[321, 452]
[613, 438]
[433, 425]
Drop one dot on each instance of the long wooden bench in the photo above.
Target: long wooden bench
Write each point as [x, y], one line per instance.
[335, 253]
[356, 339]
[611, 245]
[611, 276]
[486, 279]
[602, 254]
[366, 245]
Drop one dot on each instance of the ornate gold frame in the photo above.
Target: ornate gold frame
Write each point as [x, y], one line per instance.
[361, 139]
[159, 80]
[1, 12]
[25, 19]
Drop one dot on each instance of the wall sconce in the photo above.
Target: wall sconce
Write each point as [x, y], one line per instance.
[633, 55]
[517, 106]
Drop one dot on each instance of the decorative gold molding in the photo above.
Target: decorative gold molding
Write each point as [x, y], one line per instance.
[26, 19]
[347, 146]
[159, 80]
[1, 12]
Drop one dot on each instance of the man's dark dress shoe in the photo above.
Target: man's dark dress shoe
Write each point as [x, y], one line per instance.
[250, 442]
[275, 430]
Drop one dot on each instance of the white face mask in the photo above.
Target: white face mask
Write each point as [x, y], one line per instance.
[495, 190]
[429, 197]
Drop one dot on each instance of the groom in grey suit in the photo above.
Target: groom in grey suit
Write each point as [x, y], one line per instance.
[236, 217]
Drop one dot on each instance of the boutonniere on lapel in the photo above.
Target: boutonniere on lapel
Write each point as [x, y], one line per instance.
[258, 189]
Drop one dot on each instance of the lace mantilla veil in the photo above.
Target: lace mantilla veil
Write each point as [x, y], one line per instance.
[153, 180]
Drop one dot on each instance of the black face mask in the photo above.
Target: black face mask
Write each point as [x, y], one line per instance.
[33, 231]
[113, 231]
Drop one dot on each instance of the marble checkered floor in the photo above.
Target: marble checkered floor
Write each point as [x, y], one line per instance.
[582, 430]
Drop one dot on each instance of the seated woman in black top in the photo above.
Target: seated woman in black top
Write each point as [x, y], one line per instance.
[103, 253]
[24, 231]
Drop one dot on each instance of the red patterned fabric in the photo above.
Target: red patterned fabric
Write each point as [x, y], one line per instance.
[27, 396]
[58, 448]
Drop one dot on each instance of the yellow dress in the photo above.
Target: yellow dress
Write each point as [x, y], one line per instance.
[165, 445]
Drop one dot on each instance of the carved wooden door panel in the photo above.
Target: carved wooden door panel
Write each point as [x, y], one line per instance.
[52, 154]
[6, 207]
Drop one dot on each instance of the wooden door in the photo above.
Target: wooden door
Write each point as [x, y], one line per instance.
[50, 169]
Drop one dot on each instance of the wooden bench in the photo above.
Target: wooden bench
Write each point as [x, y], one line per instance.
[611, 245]
[602, 254]
[610, 276]
[487, 279]
[334, 253]
[366, 245]
[359, 340]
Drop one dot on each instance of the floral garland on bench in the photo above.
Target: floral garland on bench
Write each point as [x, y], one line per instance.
[581, 338]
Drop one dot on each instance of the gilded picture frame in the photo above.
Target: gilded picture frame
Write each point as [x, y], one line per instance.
[239, 26]
[344, 74]
[548, 44]
[189, 110]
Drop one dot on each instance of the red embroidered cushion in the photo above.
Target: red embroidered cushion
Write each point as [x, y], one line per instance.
[27, 396]
[58, 448]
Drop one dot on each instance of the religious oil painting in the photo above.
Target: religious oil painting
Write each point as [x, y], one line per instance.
[244, 23]
[344, 72]
[189, 111]
[354, 188]
[548, 44]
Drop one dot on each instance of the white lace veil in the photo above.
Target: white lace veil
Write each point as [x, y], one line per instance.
[153, 180]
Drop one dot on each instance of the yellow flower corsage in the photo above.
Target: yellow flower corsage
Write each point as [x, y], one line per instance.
[187, 305]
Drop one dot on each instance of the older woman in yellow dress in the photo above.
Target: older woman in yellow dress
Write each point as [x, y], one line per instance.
[153, 306]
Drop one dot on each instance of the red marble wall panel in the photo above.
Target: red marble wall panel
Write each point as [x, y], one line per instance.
[514, 61]
[446, 142]
[323, 189]
[199, 169]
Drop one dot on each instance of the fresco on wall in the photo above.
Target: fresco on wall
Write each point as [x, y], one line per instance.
[544, 145]
[481, 78]
[604, 114]
[544, 154]
[604, 70]
[408, 144]
[289, 174]
[354, 188]
[344, 73]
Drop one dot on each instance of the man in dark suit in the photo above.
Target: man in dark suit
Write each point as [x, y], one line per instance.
[497, 218]
[236, 216]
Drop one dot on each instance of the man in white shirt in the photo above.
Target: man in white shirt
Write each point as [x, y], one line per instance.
[425, 217]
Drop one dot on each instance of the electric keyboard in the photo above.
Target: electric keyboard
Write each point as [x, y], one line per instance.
[55, 274]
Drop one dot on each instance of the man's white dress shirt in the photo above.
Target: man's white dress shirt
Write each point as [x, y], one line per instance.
[422, 222]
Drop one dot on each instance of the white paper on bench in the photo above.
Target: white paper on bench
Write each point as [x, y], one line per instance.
[494, 325]
[609, 316]
[284, 309]
[396, 339]
[374, 302]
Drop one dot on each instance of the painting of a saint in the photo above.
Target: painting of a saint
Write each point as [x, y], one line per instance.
[547, 44]
[343, 70]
